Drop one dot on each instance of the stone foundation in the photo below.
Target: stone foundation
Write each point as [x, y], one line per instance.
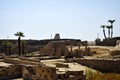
[104, 65]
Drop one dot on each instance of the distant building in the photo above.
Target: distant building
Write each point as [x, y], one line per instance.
[57, 36]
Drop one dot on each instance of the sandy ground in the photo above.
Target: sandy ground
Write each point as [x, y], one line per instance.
[3, 64]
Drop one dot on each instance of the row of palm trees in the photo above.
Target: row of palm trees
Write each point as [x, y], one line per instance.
[110, 29]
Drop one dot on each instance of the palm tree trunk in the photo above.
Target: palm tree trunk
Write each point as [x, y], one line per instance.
[104, 34]
[71, 48]
[23, 48]
[79, 46]
[19, 46]
[9, 50]
[6, 50]
[108, 33]
[111, 31]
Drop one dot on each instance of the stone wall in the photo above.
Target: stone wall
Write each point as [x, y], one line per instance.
[39, 73]
[103, 65]
[106, 43]
[13, 71]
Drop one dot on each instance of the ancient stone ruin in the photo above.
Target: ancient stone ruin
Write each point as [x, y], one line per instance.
[30, 69]
[54, 48]
[60, 48]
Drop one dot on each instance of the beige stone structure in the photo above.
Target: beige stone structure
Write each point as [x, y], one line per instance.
[50, 73]
[55, 48]
[31, 69]
[12, 71]
[60, 48]
[39, 73]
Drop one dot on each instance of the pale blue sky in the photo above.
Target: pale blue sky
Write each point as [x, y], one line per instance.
[38, 19]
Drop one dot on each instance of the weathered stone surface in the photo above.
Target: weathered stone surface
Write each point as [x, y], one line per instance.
[40, 73]
[13, 71]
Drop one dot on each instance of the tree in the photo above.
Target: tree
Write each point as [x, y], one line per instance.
[111, 21]
[103, 26]
[10, 48]
[23, 47]
[108, 27]
[7, 47]
[19, 34]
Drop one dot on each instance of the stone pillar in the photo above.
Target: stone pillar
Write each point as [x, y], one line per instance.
[71, 48]
[85, 45]
[79, 44]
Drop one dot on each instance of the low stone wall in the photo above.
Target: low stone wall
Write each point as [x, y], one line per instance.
[21, 61]
[30, 60]
[62, 65]
[103, 65]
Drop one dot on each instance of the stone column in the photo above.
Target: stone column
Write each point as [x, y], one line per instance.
[79, 44]
[71, 47]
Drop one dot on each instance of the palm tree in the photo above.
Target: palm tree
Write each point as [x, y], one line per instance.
[103, 26]
[108, 27]
[111, 21]
[23, 47]
[19, 34]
